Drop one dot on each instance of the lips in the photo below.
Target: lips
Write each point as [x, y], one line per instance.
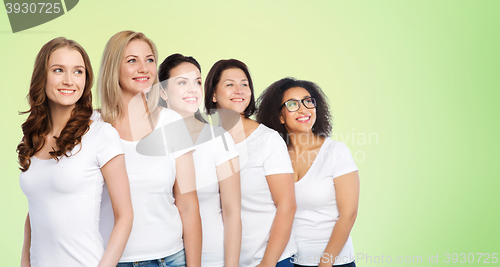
[191, 99]
[66, 92]
[141, 79]
[303, 119]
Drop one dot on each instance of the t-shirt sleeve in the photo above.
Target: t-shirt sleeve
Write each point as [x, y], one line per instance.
[226, 149]
[177, 137]
[108, 145]
[277, 159]
[96, 115]
[343, 160]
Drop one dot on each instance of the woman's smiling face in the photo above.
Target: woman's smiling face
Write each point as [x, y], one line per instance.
[138, 68]
[65, 77]
[302, 120]
[233, 91]
[184, 93]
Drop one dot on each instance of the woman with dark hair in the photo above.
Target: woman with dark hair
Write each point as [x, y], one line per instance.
[65, 159]
[267, 192]
[326, 177]
[215, 160]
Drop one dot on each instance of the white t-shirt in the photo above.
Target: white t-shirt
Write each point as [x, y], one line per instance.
[157, 228]
[64, 201]
[317, 210]
[210, 153]
[262, 153]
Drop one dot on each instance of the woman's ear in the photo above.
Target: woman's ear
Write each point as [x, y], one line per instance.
[163, 95]
[282, 121]
[214, 99]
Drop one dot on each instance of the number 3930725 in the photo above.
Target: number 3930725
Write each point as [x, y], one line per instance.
[47, 8]
[470, 257]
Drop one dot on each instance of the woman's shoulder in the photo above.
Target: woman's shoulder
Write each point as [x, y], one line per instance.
[96, 115]
[336, 149]
[98, 128]
[168, 115]
[268, 132]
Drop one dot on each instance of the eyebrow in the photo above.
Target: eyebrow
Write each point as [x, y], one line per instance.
[59, 65]
[305, 97]
[150, 55]
[244, 80]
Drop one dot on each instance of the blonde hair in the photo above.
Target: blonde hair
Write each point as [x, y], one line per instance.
[109, 76]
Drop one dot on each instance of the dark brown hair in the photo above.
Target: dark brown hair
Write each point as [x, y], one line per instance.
[213, 78]
[271, 100]
[38, 124]
[166, 66]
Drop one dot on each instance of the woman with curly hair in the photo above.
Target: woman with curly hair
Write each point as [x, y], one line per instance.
[167, 224]
[326, 177]
[65, 160]
[267, 193]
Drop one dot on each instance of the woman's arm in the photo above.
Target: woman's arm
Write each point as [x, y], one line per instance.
[25, 255]
[347, 193]
[115, 174]
[186, 201]
[282, 189]
[230, 195]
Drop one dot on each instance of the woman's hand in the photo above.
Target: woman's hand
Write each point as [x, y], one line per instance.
[230, 195]
[115, 174]
[186, 201]
[25, 254]
[347, 194]
[282, 189]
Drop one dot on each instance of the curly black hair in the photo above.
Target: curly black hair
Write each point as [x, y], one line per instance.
[269, 106]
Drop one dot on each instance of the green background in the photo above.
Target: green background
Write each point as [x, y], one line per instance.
[422, 77]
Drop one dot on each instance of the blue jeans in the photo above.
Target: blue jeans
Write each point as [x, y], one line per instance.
[285, 262]
[176, 260]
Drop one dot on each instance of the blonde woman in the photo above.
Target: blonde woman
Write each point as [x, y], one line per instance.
[163, 234]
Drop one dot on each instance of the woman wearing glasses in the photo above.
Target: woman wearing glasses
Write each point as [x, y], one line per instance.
[326, 177]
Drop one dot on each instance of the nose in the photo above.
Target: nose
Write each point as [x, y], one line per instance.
[191, 88]
[142, 68]
[238, 90]
[68, 81]
[302, 107]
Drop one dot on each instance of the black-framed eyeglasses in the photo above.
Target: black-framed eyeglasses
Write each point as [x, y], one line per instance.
[293, 105]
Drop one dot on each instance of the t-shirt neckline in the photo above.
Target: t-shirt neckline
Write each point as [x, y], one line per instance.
[251, 135]
[315, 159]
[47, 160]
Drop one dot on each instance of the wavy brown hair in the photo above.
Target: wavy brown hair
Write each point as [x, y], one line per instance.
[38, 124]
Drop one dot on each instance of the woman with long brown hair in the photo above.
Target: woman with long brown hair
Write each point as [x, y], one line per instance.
[65, 160]
[163, 233]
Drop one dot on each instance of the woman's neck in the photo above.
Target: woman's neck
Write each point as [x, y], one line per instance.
[300, 141]
[59, 117]
[135, 121]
